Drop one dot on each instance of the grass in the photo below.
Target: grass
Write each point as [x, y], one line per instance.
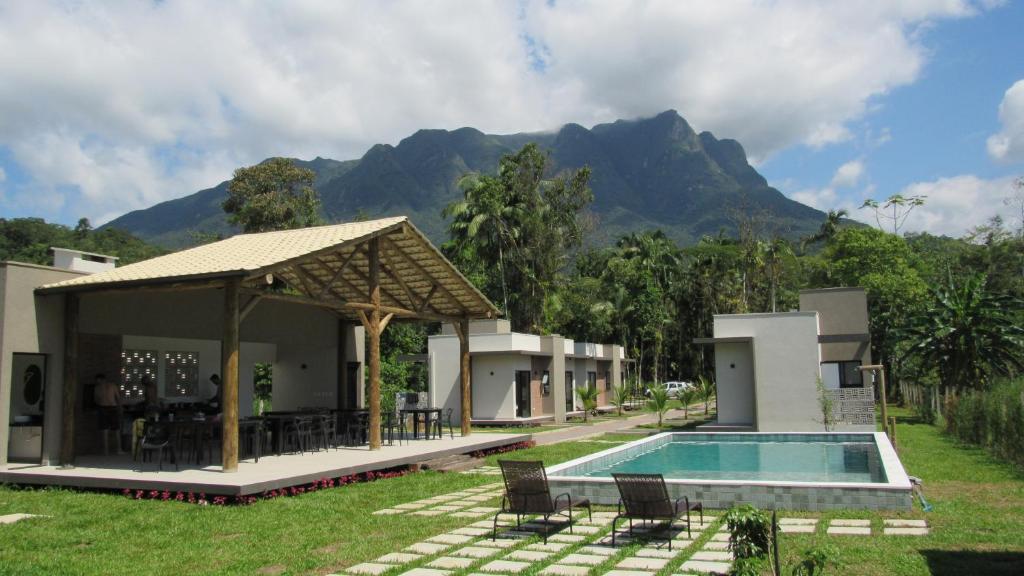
[977, 524]
[516, 429]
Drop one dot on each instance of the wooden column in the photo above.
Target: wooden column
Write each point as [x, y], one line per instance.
[462, 329]
[229, 377]
[70, 390]
[343, 383]
[373, 329]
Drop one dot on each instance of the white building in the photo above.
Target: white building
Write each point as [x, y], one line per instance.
[767, 365]
[520, 378]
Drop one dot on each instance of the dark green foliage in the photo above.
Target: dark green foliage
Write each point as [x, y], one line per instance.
[396, 375]
[263, 384]
[750, 532]
[815, 560]
[272, 195]
[30, 239]
[993, 419]
[968, 334]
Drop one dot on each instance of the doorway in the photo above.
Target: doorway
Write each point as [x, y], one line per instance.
[570, 393]
[522, 393]
[352, 385]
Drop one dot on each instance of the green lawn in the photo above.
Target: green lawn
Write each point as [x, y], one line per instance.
[977, 524]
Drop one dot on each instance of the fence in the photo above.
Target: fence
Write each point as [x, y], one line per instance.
[927, 401]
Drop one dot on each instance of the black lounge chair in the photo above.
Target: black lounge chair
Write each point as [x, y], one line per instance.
[527, 494]
[645, 497]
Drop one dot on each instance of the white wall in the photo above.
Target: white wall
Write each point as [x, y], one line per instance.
[786, 367]
[494, 379]
[734, 377]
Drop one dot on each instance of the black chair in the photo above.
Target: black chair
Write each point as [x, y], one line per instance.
[357, 428]
[324, 431]
[527, 493]
[645, 497]
[441, 422]
[298, 434]
[157, 437]
[392, 425]
[252, 435]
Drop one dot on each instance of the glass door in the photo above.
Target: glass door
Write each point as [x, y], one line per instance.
[522, 393]
[570, 393]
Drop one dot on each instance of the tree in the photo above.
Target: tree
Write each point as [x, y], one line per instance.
[83, 228]
[273, 195]
[517, 228]
[706, 389]
[969, 334]
[828, 228]
[658, 403]
[588, 397]
[620, 397]
[686, 397]
[895, 210]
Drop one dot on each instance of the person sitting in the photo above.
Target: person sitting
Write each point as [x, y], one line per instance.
[107, 397]
[150, 395]
[218, 392]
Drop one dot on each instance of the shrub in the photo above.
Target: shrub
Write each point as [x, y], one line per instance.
[993, 419]
[750, 532]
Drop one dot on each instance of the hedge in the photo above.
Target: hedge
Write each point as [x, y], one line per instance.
[992, 418]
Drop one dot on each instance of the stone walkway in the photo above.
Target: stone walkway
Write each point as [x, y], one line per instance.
[468, 503]
[579, 432]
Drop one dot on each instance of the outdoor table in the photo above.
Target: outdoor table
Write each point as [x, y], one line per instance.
[428, 415]
[196, 432]
[276, 421]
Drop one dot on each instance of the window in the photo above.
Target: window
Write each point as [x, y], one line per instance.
[607, 380]
[181, 374]
[842, 375]
[545, 384]
[592, 380]
[134, 365]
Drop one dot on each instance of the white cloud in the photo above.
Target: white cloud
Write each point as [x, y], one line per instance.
[112, 106]
[1008, 144]
[953, 205]
[849, 174]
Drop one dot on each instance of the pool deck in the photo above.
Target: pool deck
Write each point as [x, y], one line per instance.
[270, 473]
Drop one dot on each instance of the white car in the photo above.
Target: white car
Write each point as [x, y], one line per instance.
[674, 388]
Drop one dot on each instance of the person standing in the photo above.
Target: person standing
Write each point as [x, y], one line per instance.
[107, 396]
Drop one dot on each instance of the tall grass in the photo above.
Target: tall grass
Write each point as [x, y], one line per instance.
[992, 418]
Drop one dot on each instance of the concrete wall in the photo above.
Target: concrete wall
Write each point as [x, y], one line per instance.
[841, 311]
[786, 367]
[734, 376]
[32, 324]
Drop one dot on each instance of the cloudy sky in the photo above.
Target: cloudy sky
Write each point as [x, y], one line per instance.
[111, 106]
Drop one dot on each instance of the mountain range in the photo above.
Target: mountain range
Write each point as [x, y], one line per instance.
[651, 173]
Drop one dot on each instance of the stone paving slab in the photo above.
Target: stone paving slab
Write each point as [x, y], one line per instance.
[811, 521]
[411, 505]
[582, 559]
[466, 514]
[797, 528]
[719, 537]
[388, 512]
[451, 562]
[398, 558]
[475, 490]
[563, 570]
[428, 512]
[711, 545]
[505, 566]
[569, 538]
[484, 509]
[471, 531]
[427, 548]
[679, 544]
[850, 522]
[528, 555]
[658, 552]
[905, 523]
[642, 563]
[499, 543]
[372, 568]
[712, 556]
[599, 550]
[426, 572]
[850, 530]
[450, 539]
[475, 552]
[478, 498]
[483, 524]
[586, 529]
[549, 547]
[448, 508]
[905, 531]
[628, 573]
[704, 567]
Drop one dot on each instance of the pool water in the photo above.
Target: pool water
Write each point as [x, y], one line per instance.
[812, 459]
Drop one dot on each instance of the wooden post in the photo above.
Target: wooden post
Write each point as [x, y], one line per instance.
[373, 330]
[70, 391]
[229, 378]
[466, 417]
[342, 399]
[885, 403]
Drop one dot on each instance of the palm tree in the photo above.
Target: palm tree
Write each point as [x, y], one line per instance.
[588, 397]
[706, 389]
[828, 228]
[969, 334]
[657, 402]
[686, 397]
[620, 397]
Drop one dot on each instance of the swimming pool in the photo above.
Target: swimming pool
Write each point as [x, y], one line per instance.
[810, 471]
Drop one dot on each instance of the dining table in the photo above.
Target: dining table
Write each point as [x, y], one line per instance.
[425, 415]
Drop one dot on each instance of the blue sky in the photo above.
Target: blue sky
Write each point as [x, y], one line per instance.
[114, 106]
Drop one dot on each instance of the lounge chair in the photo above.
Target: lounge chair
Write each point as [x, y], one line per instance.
[527, 494]
[645, 497]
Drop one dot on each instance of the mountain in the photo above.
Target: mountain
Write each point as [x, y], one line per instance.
[648, 173]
